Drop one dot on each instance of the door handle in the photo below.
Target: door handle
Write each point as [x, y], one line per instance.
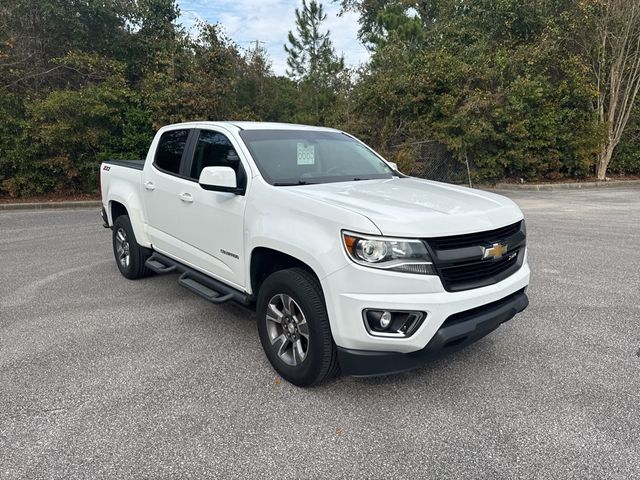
[149, 186]
[186, 197]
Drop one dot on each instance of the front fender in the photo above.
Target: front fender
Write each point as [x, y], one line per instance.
[300, 227]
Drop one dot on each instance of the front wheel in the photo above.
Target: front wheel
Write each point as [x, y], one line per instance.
[294, 327]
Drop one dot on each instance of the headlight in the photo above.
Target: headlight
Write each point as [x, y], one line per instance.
[396, 254]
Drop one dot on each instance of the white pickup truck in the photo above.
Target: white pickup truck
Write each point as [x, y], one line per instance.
[350, 265]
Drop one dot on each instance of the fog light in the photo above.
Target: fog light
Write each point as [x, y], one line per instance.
[392, 323]
[385, 320]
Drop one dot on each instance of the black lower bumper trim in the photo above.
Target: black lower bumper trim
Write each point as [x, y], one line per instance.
[456, 332]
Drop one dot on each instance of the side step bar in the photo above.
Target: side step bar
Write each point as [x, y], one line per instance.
[207, 287]
[157, 266]
[204, 291]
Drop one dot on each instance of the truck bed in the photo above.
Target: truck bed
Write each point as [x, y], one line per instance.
[137, 164]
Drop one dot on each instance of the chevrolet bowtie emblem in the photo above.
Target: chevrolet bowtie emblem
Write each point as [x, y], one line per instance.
[497, 250]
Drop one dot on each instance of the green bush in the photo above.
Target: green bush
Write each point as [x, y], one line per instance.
[68, 133]
[626, 157]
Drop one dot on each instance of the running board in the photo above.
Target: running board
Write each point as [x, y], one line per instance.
[157, 266]
[208, 288]
[205, 292]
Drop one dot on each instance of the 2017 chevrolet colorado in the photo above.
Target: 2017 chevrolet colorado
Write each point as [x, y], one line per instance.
[349, 264]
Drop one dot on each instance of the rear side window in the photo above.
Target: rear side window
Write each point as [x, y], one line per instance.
[170, 149]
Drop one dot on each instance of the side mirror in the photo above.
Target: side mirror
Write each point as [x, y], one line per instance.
[219, 179]
[393, 165]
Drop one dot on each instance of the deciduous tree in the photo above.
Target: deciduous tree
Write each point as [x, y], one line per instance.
[614, 49]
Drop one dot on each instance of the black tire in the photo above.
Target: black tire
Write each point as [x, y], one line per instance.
[134, 267]
[321, 361]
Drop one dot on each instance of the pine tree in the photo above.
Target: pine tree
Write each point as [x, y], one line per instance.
[312, 60]
[311, 53]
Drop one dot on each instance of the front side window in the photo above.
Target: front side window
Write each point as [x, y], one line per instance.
[170, 149]
[298, 157]
[213, 149]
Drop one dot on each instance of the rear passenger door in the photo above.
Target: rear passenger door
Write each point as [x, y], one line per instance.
[162, 181]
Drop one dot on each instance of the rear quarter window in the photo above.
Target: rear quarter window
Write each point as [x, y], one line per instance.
[170, 149]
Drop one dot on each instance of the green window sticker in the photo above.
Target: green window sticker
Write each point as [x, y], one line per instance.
[306, 154]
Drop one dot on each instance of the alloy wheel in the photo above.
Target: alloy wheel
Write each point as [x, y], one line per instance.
[288, 329]
[122, 248]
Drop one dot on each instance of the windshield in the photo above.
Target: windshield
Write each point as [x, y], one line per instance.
[300, 157]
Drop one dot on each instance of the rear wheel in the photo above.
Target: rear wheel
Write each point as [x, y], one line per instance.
[130, 257]
[294, 327]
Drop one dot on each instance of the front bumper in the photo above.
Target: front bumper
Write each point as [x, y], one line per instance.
[353, 289]
[457, 331]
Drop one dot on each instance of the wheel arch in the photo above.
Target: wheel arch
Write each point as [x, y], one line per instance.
[119, 205]
[116, 209]
[265, 261]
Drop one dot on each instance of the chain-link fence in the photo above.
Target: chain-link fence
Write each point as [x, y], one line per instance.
[430, 159]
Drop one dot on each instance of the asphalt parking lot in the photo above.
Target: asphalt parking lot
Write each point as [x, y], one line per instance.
[101, 377]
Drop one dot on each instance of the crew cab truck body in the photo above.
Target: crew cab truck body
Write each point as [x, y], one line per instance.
[350, 264]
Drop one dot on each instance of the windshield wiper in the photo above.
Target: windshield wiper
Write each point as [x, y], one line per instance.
[289, 184]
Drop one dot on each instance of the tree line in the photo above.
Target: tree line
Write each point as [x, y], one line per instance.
[531, 89]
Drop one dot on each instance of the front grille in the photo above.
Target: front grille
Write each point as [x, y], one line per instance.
[471, 239]
[462, 266]
[477, 274]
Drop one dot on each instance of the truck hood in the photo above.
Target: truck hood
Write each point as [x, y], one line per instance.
[414, 207]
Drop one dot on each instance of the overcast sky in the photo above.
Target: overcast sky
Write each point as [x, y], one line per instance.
[269, 21]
